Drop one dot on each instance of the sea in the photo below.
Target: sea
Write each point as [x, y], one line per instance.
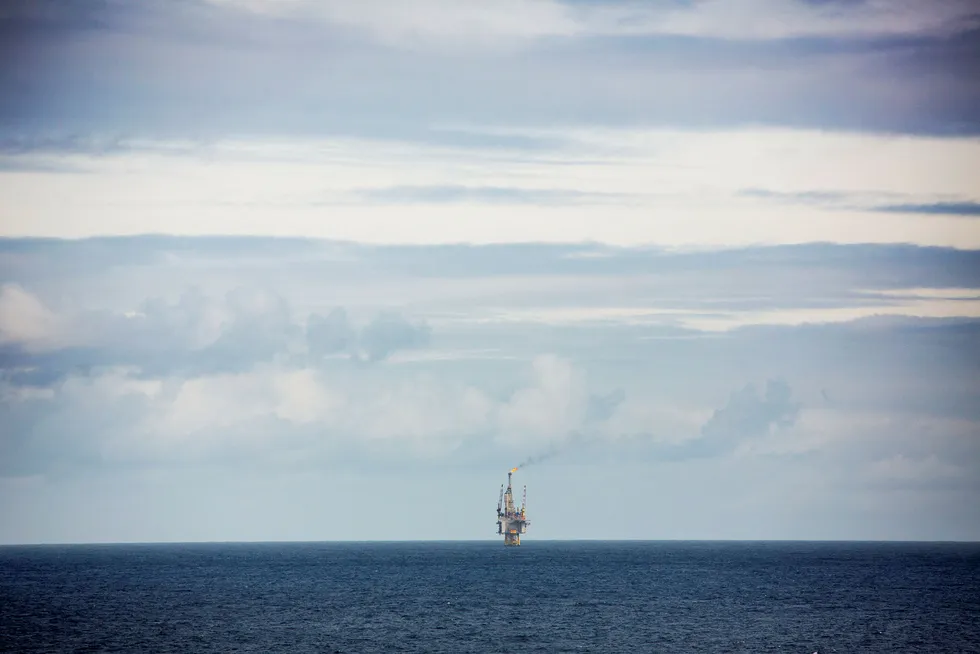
[483, 597]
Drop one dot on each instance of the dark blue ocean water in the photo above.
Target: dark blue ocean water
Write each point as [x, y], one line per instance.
[482, 597]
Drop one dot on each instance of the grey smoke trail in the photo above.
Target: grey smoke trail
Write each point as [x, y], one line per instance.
[553, 451]
[599, 409]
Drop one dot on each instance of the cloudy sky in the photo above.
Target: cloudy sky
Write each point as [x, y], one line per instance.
[278, 270]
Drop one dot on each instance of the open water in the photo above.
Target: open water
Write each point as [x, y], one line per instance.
[482, 597]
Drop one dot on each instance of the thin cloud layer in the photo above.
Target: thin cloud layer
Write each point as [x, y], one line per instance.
[419, 23]
[614, 186]
[299, 68]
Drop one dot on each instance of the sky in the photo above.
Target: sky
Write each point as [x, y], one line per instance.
[297, 270]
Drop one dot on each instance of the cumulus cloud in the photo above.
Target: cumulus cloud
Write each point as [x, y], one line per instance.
[747, 415]
[330, 334]
[194, 334]
[555, 413]
[25, 321]
[240, 375]
[602, 407]
[118, 416]
[258, 328]
[554, 403]
[70, 425]
[389, 332]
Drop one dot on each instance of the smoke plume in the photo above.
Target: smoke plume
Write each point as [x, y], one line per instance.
[600, 409]
[556, 448]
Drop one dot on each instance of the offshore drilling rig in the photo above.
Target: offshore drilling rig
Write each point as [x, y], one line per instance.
[511, 522]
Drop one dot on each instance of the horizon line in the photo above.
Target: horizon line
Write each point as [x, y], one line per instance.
[494, 540]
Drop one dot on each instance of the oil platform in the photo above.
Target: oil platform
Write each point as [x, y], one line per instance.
[511, 522]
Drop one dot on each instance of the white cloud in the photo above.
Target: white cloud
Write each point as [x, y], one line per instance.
[548, 409]
[676, 188]
[221, 401]
[302, 400]
[428, 416]
[26, 321]
[124, 416]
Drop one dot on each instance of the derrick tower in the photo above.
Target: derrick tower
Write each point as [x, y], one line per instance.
[511, 522]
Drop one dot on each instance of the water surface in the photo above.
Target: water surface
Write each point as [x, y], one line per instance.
[482, 597]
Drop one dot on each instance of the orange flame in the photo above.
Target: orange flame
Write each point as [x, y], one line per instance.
[513, 470]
